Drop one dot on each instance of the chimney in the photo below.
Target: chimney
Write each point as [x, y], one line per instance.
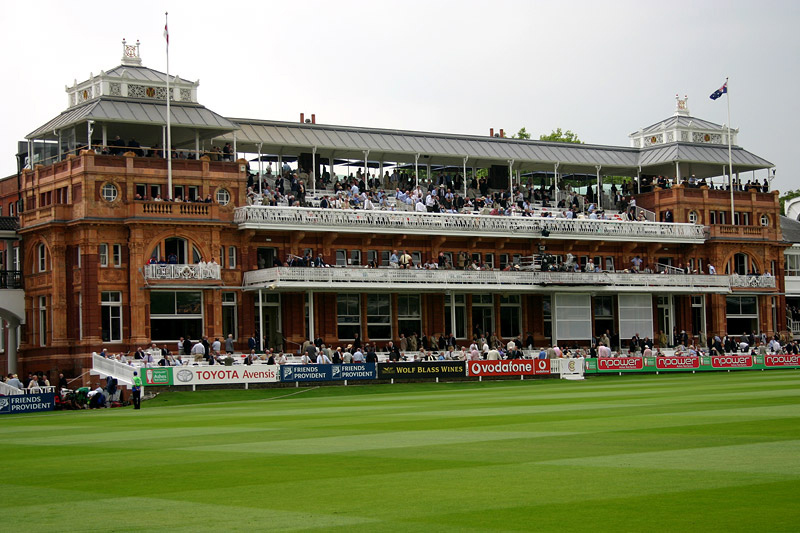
[302, 118]
[313, 118]
[501, 133]
[491, 132]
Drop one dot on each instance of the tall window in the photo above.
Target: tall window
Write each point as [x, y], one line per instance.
[231, 257]
[41, 255]
[483, 314]
[547, 316]
[698, 314]
[379, 316]
[792, 265]
[355, 257]
[409, 314]
[175, 314]
[111, 320]
[510, 316]
[80, 316]
[229, 318]
[461, 315]
[742, 314]
[341, 257]
[42, 320]
[117, 254]
[348, 315]
[102, 253]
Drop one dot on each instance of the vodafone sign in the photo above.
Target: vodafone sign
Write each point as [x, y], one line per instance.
[782, 360]
[513, 367]
[620, 363]
[732, 361]
[670, 363]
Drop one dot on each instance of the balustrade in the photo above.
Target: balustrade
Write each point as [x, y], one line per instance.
[413, 279]
[268, 217]
[172, 272]
[755, 282]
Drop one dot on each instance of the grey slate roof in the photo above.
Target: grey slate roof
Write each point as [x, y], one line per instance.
[142, 74]
[9, 223]
[790, 229]
[683, 122]
[701, 153]
[400, 146]
[135, 111]
[350, 142]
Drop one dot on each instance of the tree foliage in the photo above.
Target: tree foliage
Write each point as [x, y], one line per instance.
[786, 197]
[561, 136]
[521, 134]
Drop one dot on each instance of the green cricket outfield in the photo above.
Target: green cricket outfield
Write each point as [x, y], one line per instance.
[704, 452]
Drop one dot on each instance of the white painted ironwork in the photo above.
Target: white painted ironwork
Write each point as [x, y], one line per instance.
[204, 271]
[361, 221]
[395, 279]
[755, 282]
[795, 325]
[9, 390]
[110, 368]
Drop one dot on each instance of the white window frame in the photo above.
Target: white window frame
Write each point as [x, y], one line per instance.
[109, 192]
[116, 254]
[229, 301]
[223, 197]
[383, 323]
[102, 254]
[111, 303]
[42, 321]
[41, 256]
[231, 257]
[357, 316]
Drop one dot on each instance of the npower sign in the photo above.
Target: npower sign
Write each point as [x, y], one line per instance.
[732, 361]
[513, 367]
[620, 363]
[672, 363]
[782, 360]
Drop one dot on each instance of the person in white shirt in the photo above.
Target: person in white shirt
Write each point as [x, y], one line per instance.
[322, 359]
[711, 269]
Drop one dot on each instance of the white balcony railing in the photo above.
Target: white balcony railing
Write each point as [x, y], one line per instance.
[361, 221]
[209, 271]
[394, 279]
[754, 282]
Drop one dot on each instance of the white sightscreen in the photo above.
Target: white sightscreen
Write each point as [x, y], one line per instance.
[573, 317]
[635, 315]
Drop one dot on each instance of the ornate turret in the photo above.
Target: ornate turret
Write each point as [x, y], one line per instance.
[132, 80]
[682, 127]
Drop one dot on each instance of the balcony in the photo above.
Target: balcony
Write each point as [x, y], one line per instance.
[203, 272]
[729, 231]
[399, 280]
[174, 210]
[10, 279]
[752, 282]
[410, 222]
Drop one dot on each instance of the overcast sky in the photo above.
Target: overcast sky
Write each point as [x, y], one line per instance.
[601, 69]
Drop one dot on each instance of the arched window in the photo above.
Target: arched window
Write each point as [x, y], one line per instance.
[742, 264]
[177, 250]
[41, 258]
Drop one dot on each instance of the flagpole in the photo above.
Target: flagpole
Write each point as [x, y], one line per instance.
[168, 147]
[730, 158]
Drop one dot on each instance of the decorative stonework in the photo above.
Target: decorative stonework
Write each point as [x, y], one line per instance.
[111, 275]
[115, 89]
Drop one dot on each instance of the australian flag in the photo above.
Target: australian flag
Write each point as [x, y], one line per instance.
[719, 92]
